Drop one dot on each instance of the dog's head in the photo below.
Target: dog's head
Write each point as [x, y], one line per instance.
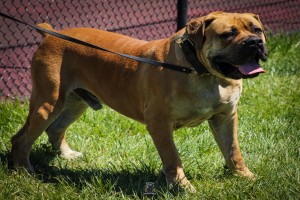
[230, 45]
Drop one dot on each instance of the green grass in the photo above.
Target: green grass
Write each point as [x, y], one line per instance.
[119, 156]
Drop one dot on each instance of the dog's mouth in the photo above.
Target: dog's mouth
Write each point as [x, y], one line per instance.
[247, 69]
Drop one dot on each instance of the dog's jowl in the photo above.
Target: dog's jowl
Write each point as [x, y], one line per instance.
[68, 77]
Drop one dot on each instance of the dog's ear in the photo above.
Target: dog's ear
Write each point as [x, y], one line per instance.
[196, 30]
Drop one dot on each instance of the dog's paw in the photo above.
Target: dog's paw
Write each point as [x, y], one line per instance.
[246, 173]
[183, 183]
[70, 154]
[27, 169]
[188, 187]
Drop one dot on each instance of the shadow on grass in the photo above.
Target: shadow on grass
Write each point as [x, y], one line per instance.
[127, 181]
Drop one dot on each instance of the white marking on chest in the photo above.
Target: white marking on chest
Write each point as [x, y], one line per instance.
[229, 94]
[201, 104]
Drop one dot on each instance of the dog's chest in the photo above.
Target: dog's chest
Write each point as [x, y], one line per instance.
[202, 103]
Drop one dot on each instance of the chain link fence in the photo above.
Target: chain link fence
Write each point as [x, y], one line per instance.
[143, 19]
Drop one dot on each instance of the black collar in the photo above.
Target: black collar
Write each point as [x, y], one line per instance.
[189, 50]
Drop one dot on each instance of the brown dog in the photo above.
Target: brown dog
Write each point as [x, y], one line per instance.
[67, 77]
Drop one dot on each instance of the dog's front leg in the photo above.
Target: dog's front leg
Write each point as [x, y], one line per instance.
[224, 128]
[162, 134]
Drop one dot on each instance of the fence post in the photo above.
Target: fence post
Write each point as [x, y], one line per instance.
[182, 6]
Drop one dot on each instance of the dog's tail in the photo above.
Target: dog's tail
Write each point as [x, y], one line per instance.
[45, 26]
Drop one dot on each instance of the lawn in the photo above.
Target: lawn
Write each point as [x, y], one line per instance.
[120, 158]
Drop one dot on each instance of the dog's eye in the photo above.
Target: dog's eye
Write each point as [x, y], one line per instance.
[258, 31]
[228, 35]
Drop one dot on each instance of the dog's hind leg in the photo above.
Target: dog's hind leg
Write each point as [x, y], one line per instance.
[46, 103]
[73, 109]
[41, 114]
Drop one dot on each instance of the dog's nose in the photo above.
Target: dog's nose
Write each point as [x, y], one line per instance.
[253, 42]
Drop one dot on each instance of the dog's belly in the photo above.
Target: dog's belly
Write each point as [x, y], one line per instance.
[192, 115]
[192, 121]
[120, 88]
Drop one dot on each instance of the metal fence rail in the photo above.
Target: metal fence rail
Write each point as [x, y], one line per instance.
[142, 19]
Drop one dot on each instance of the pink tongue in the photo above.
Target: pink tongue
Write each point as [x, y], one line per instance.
[251, 68]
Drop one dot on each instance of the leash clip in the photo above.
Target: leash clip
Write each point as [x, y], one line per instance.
[194, 73]
[178, 41]
[181, 40]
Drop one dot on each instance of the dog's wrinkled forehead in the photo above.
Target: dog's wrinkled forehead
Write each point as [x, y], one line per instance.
[221, 23]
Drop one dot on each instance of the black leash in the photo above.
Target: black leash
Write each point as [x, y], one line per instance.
[198, 67]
